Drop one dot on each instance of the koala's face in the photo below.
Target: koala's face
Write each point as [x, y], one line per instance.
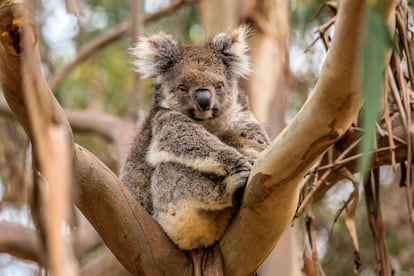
[199, 81]
[198, 85]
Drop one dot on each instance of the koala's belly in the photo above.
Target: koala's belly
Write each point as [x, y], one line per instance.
[193, 209]
[190, 228]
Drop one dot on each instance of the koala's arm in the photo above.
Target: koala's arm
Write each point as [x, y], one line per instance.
[247, 136]
[177, 138]
[248, 127]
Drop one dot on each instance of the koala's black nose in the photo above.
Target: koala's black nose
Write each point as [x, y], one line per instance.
[203, 98]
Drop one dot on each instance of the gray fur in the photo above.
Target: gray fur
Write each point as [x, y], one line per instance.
[186, 164]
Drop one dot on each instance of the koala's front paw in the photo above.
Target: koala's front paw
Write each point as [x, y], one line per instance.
[251, 160]
[237, 179]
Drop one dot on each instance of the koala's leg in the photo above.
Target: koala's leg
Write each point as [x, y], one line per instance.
[192, 208]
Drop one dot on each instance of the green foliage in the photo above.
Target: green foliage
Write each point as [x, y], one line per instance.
[101, 83]
[376, 41]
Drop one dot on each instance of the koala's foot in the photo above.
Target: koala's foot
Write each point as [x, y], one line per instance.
[237, 179]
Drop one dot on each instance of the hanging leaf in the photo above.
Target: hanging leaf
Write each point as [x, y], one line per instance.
[376, 41]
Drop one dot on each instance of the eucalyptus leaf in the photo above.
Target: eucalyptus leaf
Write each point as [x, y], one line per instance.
[375, 43]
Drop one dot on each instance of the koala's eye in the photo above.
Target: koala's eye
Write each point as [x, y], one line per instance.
[219, 86]
[182, 88]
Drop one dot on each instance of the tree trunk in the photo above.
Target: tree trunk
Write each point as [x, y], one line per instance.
[215, 22]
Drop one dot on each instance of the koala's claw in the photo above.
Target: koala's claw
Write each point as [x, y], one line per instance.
[251, 160]
[236, 180]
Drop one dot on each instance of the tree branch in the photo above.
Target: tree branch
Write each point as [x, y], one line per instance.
[24, 243]
[271, 196]
[379, 158]
[108, 37]
[139, 244]
[131, 234]
[85, 121]
[104, 265]
[50, 139]
[103, 124]
[21, 242]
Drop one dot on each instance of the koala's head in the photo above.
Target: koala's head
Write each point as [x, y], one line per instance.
[200, 81]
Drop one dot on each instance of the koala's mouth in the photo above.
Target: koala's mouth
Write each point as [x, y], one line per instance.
[203, 115]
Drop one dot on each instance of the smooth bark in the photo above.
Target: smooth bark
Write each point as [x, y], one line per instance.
[271, 196]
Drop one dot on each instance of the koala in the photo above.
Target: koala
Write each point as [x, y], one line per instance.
[198, 141]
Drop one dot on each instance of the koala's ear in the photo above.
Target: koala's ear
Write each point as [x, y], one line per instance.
[154, 55]
[233, 49]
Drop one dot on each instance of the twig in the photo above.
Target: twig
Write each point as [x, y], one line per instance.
[326, 174]
[312, 242]
[342, 162]
[321, 30]
[311, 44]
[330, 4]
[397, 99]
[408, 133]
[324, 27]
[402, 31]
[387, 120]
[350, 218]
[376, 223]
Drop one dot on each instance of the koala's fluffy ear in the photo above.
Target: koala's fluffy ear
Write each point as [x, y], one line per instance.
[154, 55]
[233, 49]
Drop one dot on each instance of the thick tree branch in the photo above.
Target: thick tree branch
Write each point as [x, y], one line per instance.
[24, 243]
[51, 140]
[4, 108]
[104, 265]
[21, 242]
[100, 123]
[271, 196]
[83, 121]
[136, 240]
[139, 243]
[86, 239]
